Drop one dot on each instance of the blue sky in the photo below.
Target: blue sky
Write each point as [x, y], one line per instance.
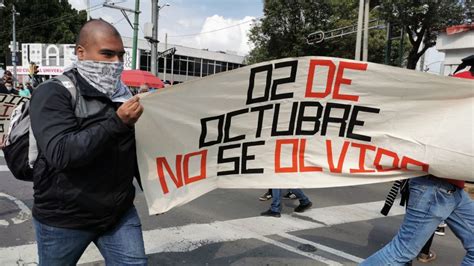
[190, 17]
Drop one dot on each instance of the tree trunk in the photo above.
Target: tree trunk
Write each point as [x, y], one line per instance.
[412, 59]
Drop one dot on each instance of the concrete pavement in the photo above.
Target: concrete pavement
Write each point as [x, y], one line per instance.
[224, 228]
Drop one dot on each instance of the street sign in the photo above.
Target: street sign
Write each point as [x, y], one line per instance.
[11, 46]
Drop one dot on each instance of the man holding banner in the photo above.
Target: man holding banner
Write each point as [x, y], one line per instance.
[431, 201]
[83, 189]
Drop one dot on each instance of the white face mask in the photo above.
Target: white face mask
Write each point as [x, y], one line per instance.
[104, 76]
[9, 88]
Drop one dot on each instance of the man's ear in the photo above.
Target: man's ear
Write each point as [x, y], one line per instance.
[80, 52]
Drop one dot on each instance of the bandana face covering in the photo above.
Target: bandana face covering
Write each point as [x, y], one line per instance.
[104, 76]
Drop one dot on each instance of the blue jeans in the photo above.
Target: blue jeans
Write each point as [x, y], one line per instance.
[122, 245]
[431, 201]
[276, 198]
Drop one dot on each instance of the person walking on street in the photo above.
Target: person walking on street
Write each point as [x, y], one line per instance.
[275, 209]
[83, 176]
[432, 200]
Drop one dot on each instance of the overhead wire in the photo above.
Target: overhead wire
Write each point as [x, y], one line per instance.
[205, 32]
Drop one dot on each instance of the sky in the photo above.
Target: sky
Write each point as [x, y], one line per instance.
[218, 25]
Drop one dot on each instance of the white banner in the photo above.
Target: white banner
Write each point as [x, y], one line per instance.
[8, 102]
[308, 122]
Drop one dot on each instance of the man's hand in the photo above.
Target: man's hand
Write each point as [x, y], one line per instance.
[130, 111]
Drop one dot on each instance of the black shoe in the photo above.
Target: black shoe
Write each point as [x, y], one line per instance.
[265, 196]
[290, 196]
[271, 213]
[303, 207]
[440, 231]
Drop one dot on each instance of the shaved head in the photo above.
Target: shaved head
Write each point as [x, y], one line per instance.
[99, 40]
[94, 29]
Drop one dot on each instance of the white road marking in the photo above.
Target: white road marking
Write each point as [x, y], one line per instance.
[192, 236]
[322, 247]
[297, 251]
[23, 215]
[4, 168]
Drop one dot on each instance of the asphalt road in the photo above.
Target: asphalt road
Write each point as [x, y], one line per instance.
[224, 228]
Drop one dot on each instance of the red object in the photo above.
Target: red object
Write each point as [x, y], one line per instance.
[136, 78]
[464, 75]
[459, 28]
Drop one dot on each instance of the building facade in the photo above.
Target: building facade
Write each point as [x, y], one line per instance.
[184, 64]
[456, 43]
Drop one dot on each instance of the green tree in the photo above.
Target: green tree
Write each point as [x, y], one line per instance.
[283, 30]
[42, 21]
[422, 21]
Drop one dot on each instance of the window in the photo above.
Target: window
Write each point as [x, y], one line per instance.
[205, 66]
[145, 62]
[197, 67]
[210, 68]
[161, 64]
[183, 62]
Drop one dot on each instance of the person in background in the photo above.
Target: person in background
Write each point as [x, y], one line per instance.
[29, 87]
[9, 87]
[268, 195]
[143, 88]
[275, 209]
[35, 79]
[23, 91]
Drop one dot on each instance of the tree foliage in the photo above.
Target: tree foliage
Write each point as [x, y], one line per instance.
[422, 20]
[283, 30]
[41, 21]
[285, 25]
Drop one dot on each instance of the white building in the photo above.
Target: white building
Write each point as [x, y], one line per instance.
[185, 64]
[456, 43]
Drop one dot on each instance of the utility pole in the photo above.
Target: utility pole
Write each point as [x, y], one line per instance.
[136, 11]
[154, 43]
[166, 48]
[365, 43]
[88, 10]
[135, 35]
[359, 30]
[14, 46]
[388, 46]
[400, 48]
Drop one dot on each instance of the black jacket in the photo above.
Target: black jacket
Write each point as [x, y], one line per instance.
[83, 175]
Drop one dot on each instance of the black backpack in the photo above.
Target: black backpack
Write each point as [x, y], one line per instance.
[20, 148]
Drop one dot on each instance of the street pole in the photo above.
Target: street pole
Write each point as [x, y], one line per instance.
[400, 48]
[166, 48]
[135, 35]
[365, 43]
[88, 10]
[388, 46]
[154, 7]
[359, 30]
[14, 48]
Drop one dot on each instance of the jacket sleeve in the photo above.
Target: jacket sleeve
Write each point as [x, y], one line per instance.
[58, 134]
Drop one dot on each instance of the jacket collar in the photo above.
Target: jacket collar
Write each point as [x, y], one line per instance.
[83, 86]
